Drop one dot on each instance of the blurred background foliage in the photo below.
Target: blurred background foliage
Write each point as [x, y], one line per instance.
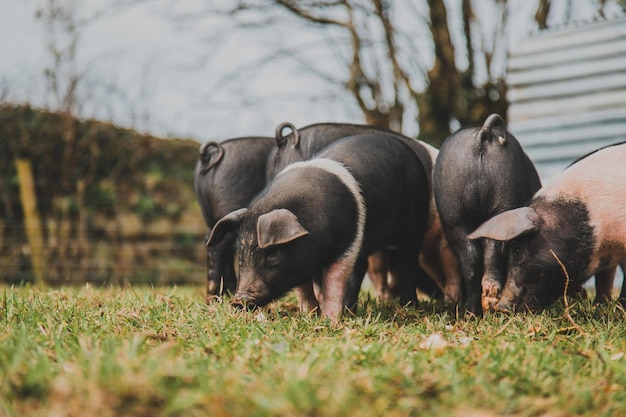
[114, 205]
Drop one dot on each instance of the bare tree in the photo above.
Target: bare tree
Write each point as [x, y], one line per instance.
[62, 75]
[443, 61]
[384, 69]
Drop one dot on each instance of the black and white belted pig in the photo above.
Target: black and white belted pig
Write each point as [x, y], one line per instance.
[480, 172]
[573, 228]
[227, 176]
[439, 273]
[320, 220]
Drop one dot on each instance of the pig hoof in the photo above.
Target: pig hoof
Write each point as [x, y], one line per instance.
[452, 295]
[211, 298]
[491, 295]
[385, 296]
[212, 288]
[308, 307]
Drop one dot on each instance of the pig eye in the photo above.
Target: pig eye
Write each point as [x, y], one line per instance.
[515, 252]
[273, 258]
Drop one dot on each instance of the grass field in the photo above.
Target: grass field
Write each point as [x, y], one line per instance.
[163, 352]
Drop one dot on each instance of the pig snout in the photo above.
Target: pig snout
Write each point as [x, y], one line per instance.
[491, 294]
[244, 302]
[503, 306]
[250, 294]
[510, 294]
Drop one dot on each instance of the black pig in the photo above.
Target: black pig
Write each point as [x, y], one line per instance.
[227, 176]
[324, 217]
[574, 227]
[480, 172]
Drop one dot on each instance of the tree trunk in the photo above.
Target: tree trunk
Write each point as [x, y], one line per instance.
[541, 15]
[437, 104]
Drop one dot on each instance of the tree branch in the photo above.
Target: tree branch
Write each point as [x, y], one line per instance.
[308, 15]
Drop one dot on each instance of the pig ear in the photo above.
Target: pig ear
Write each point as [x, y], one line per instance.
[278, 226]
[225, 225]
[508, 225]
[206, 156]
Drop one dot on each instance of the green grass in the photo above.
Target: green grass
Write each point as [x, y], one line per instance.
[163, 352]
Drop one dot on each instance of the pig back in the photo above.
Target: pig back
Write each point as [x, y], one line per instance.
[394, 185]
[597, 180]
[230, 174]
[477, 178]
[306, 142]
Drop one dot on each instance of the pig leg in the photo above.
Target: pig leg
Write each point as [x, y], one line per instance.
[230, 277]
[353, 286]
[317, 288]
[433, 269]
[577, 291]
[339, 286]
[469, 257]
[213, 285]
[377, 271]
[604, 285]
[221, 277]
[403, 265]
[306, 297]
[425, 283]
[493, 278]
[453, 287]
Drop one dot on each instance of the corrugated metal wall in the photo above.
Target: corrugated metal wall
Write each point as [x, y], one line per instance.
[567, 92]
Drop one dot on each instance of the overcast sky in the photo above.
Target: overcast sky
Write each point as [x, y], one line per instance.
[162, 76]
[144, 70]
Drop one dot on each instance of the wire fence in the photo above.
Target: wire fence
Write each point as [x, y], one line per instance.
[154, 258]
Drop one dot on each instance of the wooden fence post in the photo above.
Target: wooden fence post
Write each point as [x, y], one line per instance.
[32, 219]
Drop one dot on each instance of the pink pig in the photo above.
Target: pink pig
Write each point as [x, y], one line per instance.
[579, 220]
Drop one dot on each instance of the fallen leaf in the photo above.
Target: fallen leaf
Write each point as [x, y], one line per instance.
[260, 317]
[434, 342]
